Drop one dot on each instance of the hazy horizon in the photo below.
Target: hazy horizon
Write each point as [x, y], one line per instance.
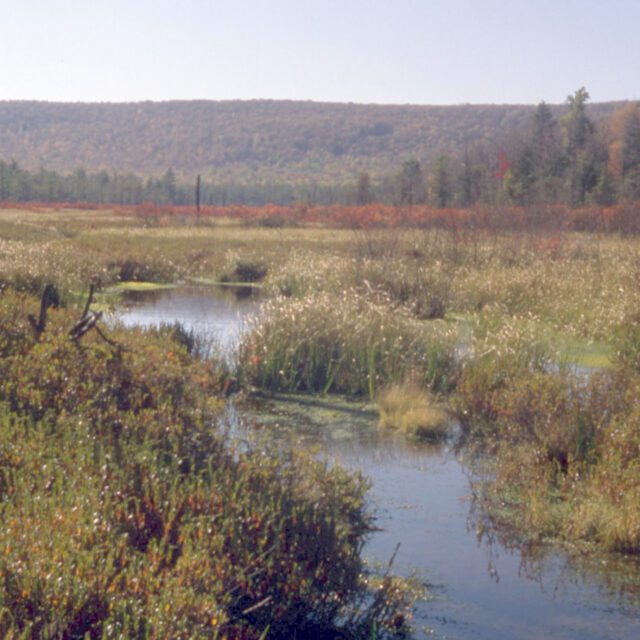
[312, 101]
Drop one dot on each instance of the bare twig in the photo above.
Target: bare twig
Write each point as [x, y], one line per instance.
[89, 300]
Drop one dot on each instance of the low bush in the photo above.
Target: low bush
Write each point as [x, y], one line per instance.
[237, 269]
[136, 270]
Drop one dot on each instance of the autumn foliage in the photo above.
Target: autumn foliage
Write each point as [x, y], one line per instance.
[623, 217]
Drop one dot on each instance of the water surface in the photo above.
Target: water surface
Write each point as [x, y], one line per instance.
[214, 313]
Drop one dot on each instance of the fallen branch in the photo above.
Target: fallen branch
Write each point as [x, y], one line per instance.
[89, 321]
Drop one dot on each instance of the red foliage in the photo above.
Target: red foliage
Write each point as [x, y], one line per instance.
[550, 246]
[623, 217]
[503, 165]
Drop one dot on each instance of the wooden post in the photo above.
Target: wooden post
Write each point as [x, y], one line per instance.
[198, 197]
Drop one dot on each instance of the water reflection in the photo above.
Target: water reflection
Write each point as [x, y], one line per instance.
[214, 314]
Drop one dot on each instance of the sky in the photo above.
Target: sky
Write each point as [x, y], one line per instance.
[428, 52]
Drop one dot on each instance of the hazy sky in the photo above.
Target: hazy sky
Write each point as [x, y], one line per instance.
[382, 51]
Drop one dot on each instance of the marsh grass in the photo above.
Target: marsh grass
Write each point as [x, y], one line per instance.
[345, 344]
[608, 508]
[556, 470]
[499, 352]
[423, 291]
[349, 312]
[565, 453]
[584, 286]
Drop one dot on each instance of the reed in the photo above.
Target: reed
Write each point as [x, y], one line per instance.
[345, 344]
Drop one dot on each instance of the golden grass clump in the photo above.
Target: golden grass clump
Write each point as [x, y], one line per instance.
[412, 410]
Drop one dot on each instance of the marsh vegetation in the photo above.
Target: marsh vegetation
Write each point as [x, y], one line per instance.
[163, 527]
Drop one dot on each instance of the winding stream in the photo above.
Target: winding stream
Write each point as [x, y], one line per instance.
[483, 588]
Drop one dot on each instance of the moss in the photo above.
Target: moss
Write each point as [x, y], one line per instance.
[133, 285]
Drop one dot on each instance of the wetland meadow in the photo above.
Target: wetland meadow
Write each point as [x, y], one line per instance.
[180, 462]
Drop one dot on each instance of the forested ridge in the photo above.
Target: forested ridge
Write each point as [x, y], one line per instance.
[281, 151]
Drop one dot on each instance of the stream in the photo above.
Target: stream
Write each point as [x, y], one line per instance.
[482, 586]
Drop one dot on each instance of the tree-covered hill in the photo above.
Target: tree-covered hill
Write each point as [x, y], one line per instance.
[249, 141]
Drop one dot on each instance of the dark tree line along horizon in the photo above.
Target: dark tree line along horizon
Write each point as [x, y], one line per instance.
[567, 160]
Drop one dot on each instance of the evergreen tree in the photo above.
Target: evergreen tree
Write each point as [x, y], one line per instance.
[578, 125]
[79, 189]
[410, 185]
[579, 128]
[604, 191]
[440, 191]
[630, 152]
[168, 185]
[469, 181]
[526, 176]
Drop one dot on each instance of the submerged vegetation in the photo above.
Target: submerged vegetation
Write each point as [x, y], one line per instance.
[129, 510]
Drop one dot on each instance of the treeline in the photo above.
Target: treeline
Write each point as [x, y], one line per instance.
[20, 185]
[570, 159]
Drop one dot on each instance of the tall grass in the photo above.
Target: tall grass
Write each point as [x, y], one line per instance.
[345, 344]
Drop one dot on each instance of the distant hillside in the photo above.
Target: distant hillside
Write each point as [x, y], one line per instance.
[251, 140]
